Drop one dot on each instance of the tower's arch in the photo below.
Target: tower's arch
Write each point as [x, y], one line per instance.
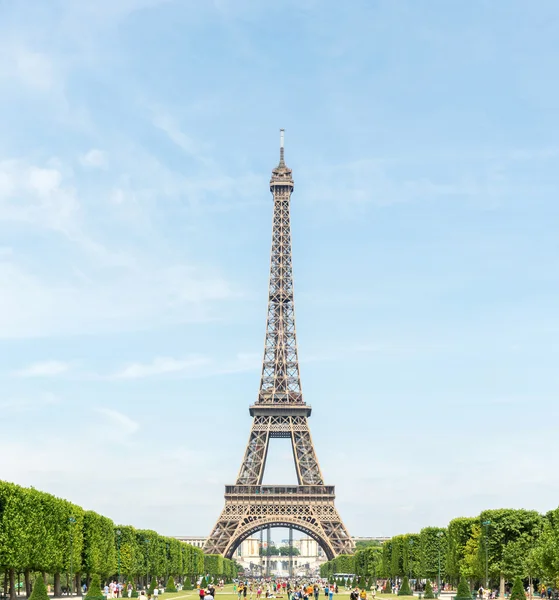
[260, 524]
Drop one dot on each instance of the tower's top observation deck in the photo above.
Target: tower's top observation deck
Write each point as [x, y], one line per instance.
[282, 174]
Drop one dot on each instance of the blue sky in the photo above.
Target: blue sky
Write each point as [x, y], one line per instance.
[136, 146]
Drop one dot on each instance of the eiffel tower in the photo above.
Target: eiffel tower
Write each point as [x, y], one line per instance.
[280, 412]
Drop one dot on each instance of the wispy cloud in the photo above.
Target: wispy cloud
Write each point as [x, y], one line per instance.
[123, 422]
[166, 124]
[144, 296]
[94, 158]
[162, 366]
[50, 368]
[192, 366]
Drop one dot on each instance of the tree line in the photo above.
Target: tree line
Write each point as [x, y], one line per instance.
[498, 545]
[40, 533]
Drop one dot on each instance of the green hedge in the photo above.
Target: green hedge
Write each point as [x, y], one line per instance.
[36, 529]
[508, 536]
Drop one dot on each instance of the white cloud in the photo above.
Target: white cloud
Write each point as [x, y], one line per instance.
[49, 368]
[178, 137]
[162, 366]
[94, 158]
[35, 196]
[194, 366]
[135, 297]
[113, 418]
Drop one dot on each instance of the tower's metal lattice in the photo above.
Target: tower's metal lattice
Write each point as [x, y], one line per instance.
[280, 411]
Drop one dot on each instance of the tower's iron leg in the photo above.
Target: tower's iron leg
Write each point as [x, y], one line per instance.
[291, 552]
[268, 557]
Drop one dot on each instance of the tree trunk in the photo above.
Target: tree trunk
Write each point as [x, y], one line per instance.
[12, 577]
[57, 590]
[77, 584]
[27, 583]
[502, 587]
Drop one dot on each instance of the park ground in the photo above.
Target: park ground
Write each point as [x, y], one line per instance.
[228, 594]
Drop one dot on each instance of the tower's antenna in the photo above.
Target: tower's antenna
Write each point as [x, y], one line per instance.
[282, 162]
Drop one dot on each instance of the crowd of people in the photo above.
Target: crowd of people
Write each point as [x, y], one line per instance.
[288, 589]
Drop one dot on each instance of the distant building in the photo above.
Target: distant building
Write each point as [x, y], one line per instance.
[198, 542]
[310, 556]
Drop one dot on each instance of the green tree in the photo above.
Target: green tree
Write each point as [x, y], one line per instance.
[361, 544]
[94, 591]
[131, 557]
[517, 592]
[387, 587]
[152, 585]
[386, 558]
[187, 585]
[472, 566]
[39, 589]
[170, 587]
[99, 554]
[509, 536]
[459, 533]
[405, 589]
[433, 547]
[397, 556]
[411, 554]
[463, 592]
[213, 564]
[428, 590]
[345, 563]
[543, 559]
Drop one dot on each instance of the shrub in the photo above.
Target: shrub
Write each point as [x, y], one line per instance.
[39, 589]
[387, 587]
[94, 592]
[428, 590]
[517, 592]
[405, 589]
[152, 586]
[170, 585]
[187, 585]
[463, 592]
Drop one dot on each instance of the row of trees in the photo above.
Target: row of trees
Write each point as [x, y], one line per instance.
[42, 533]
[500, 544]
